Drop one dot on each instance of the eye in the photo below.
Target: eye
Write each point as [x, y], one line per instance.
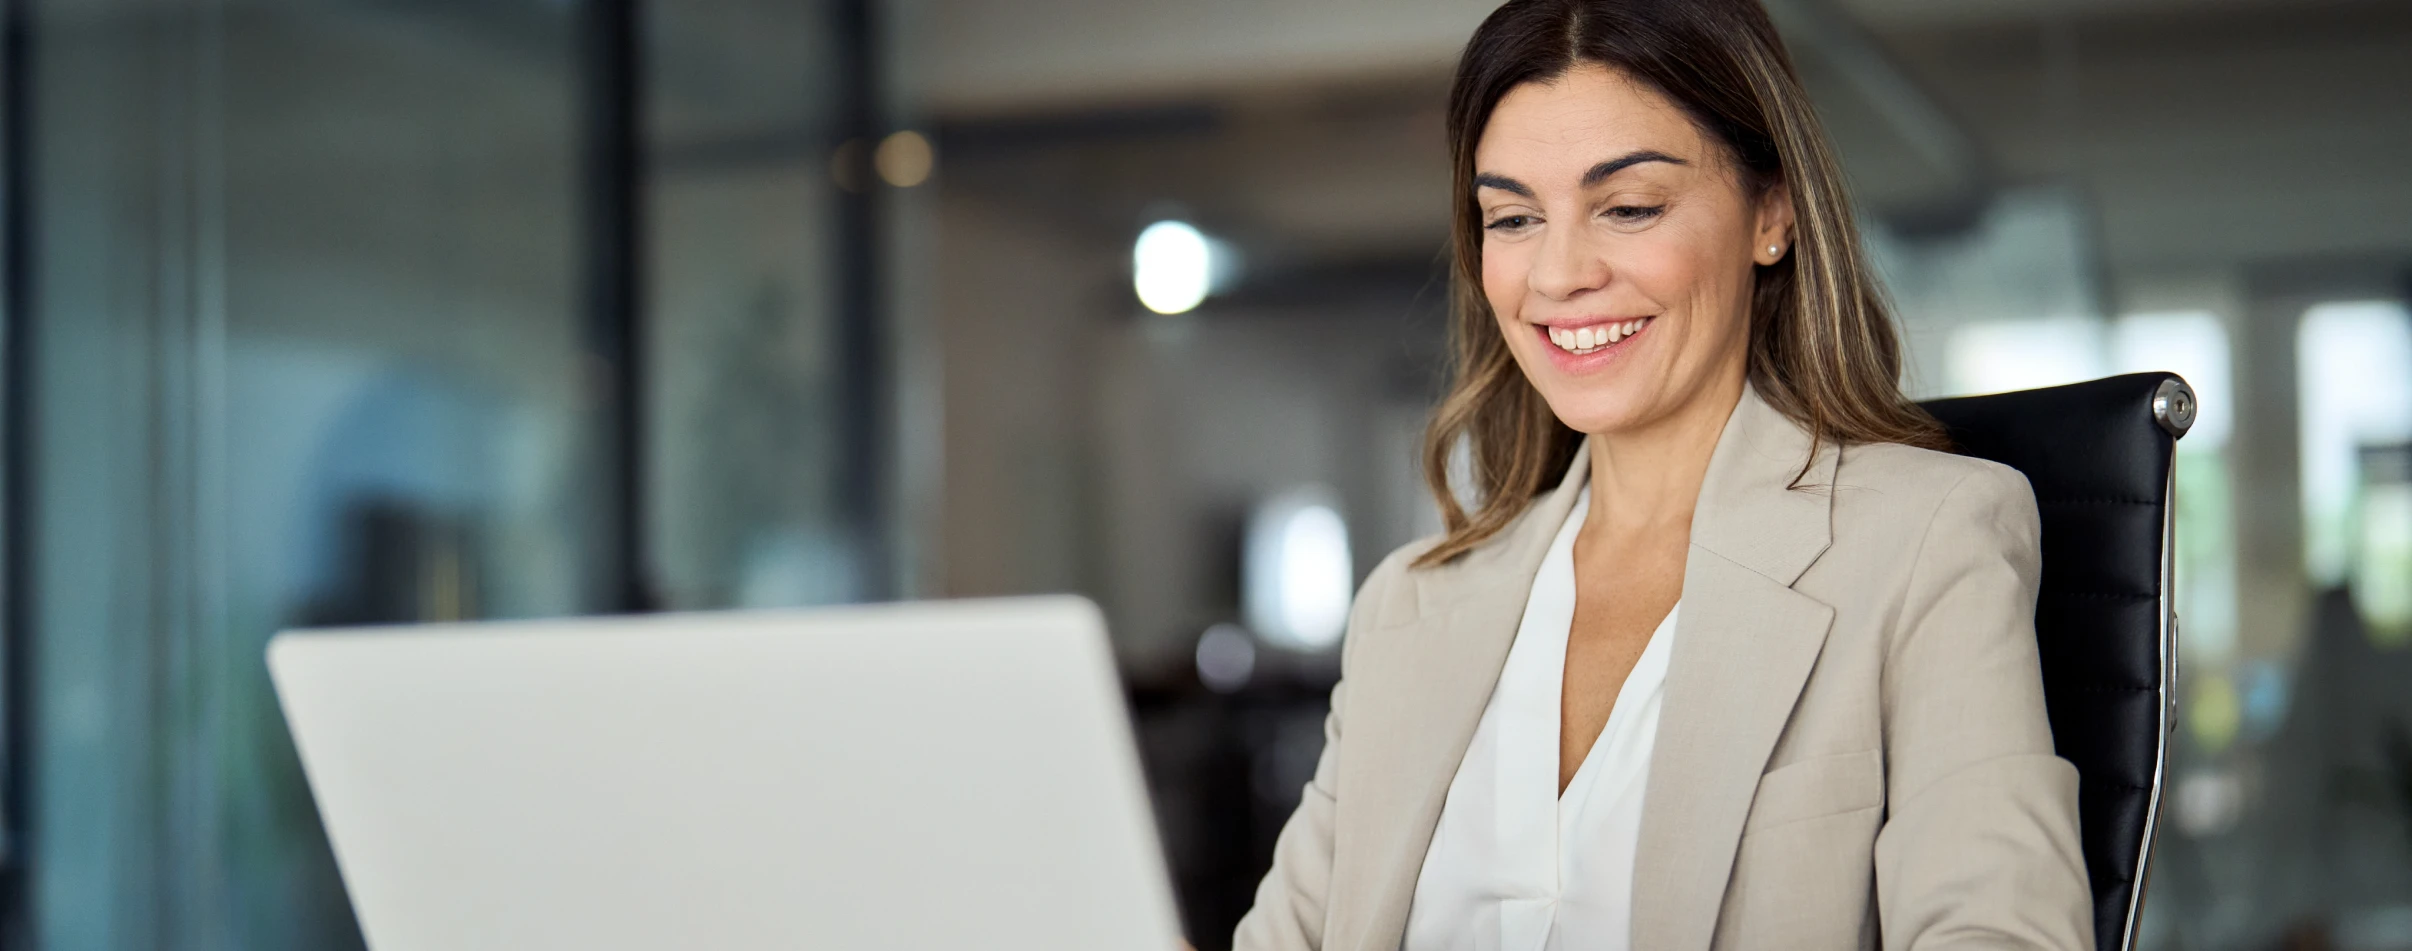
[1508, 224]
[1634, 214]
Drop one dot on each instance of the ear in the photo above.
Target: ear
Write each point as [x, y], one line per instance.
[1773, 225]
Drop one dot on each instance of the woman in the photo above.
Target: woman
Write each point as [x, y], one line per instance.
[1726, 652]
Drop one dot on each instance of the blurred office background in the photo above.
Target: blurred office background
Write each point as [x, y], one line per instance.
[375, 311]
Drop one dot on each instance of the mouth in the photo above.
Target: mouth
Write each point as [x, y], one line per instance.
[1593, 338]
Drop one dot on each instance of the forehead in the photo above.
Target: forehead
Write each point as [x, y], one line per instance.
[1589, 114]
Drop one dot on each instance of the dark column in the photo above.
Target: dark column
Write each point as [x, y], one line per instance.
[611, 80]
[16, 470]
[861, 340]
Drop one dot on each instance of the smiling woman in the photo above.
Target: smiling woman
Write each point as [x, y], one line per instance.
[1724, 653]
[1688, 131]
[1671, 224]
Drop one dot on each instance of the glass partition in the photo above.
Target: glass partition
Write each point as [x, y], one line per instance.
[313, 344]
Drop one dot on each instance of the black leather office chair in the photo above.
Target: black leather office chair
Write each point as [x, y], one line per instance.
[2099, 455]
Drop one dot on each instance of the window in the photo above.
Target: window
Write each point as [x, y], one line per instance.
[2354, 378]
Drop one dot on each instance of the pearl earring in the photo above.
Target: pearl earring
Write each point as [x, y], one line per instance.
[1775, 250]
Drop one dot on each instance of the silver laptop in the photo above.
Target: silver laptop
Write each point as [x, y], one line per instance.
[947, 775]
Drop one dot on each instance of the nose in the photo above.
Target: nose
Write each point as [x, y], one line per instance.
[1567, 265]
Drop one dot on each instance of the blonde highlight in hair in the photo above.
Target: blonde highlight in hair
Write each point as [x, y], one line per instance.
[1823, 350]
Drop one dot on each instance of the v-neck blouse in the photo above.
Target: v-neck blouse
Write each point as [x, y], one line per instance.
[1514, 865]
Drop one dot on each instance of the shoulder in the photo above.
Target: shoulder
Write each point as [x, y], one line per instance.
[1384, 600]
[1907, 500]
[1901, 505]
[1910, 526]
[1909, 480]
[1441, 584]
[1400, 589]
[1390, 580]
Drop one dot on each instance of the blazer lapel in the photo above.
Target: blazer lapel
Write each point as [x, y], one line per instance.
[1413, 708]
[1744, 646]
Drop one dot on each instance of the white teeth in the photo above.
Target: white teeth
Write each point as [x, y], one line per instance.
[1588, 339]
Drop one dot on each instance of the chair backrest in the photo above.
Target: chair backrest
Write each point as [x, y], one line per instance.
[2099, 456]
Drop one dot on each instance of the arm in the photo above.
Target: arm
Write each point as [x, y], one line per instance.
[1289, 910]
[1979, 846]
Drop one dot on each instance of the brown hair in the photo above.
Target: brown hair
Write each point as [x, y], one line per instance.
[1822, 346]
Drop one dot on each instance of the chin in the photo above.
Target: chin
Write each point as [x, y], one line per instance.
[1593, 412]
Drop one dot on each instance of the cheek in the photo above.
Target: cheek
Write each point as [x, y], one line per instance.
[1668, 271]
[1698, 279]
[1503, 281]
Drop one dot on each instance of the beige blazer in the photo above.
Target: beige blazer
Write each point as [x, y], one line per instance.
[1852, 751]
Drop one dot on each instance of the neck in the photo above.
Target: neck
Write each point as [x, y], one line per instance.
[1651, 475]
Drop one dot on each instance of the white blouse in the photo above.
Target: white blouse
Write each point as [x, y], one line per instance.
[1513, 865]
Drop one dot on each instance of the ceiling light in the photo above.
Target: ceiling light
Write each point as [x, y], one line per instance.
[1172, 267]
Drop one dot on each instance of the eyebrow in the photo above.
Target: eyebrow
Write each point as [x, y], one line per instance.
[1598, 173]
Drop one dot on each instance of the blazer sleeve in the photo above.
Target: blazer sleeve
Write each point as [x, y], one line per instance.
[1289, 910]
[1979, 848]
